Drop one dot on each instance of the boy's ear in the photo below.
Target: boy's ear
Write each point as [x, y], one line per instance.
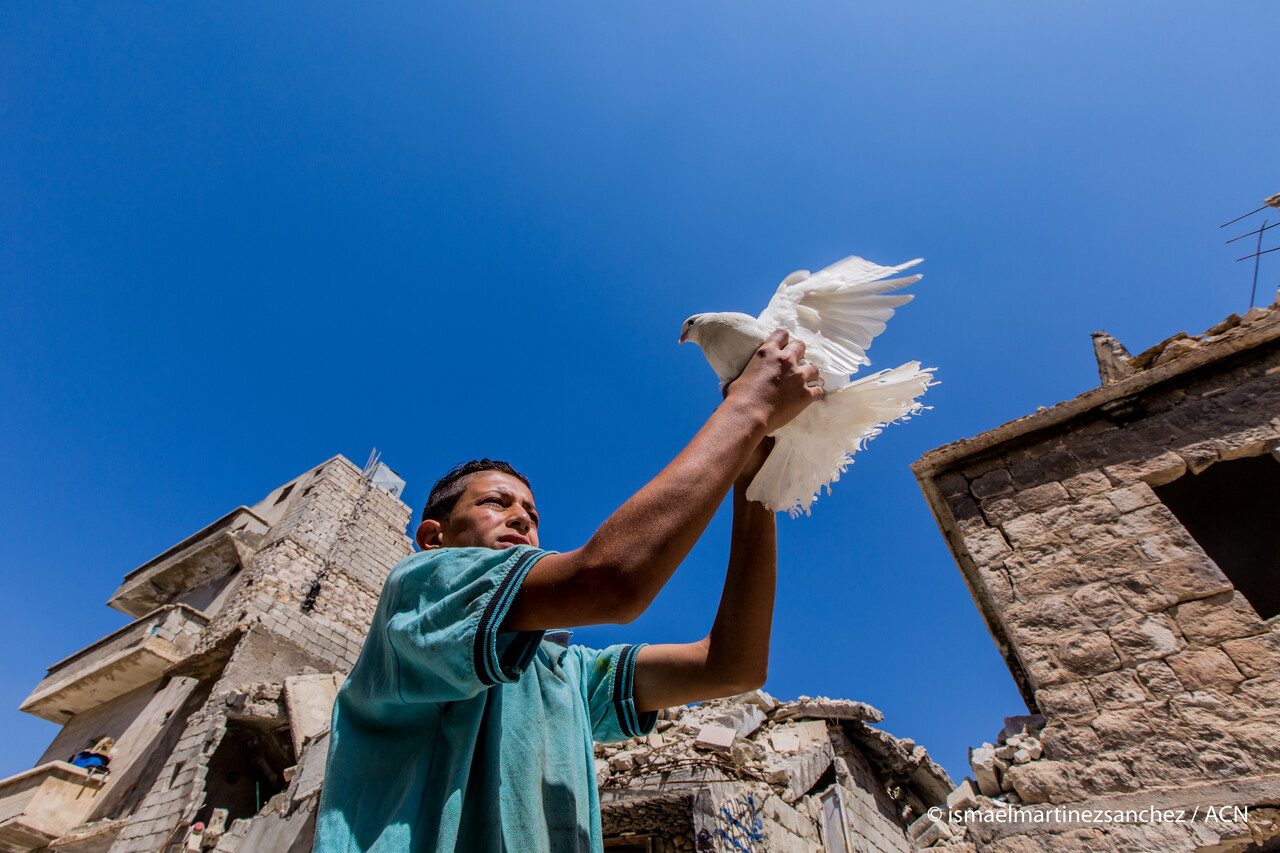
[430, 535]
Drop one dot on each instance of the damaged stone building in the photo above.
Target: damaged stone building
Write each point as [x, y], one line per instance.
[212, 693]
[1123, 548]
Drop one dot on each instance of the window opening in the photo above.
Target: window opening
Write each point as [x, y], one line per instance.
[246, 770]
[1232, 509]
[284, 494]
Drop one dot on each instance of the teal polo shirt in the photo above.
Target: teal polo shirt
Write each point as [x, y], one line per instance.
[451, 734]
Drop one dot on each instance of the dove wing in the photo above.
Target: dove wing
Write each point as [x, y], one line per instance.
[845, 305]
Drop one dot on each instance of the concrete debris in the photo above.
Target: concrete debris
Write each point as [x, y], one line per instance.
[983, 761]
[743, 719]
[1020, 725]
[715, 736]
[309, 699]
[965, 796]
[823, 708]
[780, 763]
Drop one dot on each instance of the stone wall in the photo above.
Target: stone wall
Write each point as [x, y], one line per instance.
[1150, 669]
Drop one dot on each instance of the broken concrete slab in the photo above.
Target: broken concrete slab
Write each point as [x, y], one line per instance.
[714, 736]
[309, 699]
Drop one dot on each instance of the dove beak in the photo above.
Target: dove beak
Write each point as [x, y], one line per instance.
[683, 338]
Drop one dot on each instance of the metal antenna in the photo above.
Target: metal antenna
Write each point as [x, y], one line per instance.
[1258, 252]
[374, 457]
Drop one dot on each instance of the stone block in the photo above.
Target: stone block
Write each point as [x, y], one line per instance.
[965, 796]
[1156, 470]
[1158, 679]
[992, 483]
[952, 483]
[1066, 701]
[1206, 668]
[1027, 472]
[1225, 616]
[1042, 497]
[986, 546]
[999, 586]
[1027, 530]
[1226, 762]
[715, 737]
[1132, 498]
[1260, 741]
[963, 508]
[1033, 580]
[1043, 781]
[1103, 604]
[1122, 728]
[1089, 654]
[1146, 638]
[1042, 665]
[309, 699]
[1001, 510]
[1087, 483]
[1116, 690]
[1101, 777]
[1194, 577]
[1143, 593]
[1044, 620]
[983, 761]
[1157, 763]
[1255, 656]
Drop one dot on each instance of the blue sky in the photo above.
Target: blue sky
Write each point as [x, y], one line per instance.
[240, 238]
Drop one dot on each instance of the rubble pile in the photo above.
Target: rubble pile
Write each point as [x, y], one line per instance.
[749, 737]
[777, 761]
[1115, 363]
[995, 783]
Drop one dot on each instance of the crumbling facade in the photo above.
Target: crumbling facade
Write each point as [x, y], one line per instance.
[1124, 550]
[242, 633]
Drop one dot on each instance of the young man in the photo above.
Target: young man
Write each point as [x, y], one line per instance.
[461, 729]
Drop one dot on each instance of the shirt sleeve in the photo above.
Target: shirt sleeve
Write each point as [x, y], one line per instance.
[608, 681]
[441, 620]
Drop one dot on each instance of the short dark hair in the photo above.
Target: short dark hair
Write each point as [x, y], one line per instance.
[445, 493]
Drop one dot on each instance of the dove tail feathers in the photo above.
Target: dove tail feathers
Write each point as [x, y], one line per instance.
[815, 449]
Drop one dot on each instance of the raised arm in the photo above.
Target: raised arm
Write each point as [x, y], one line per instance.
[734, 657]
[617, 574]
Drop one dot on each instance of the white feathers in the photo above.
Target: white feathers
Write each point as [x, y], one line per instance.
[836, 312]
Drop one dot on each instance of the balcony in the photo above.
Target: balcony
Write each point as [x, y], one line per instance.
[203, 557]
[135, 655]
[43, 803]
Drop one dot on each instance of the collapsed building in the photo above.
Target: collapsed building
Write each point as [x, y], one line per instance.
[1123, 548]
[752, 773]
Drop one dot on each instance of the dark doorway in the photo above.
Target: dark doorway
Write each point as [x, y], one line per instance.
[1233, 510]
[245, 771]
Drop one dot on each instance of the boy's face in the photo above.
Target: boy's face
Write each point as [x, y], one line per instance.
[495, 510]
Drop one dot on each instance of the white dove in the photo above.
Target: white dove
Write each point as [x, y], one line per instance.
[836, 312]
